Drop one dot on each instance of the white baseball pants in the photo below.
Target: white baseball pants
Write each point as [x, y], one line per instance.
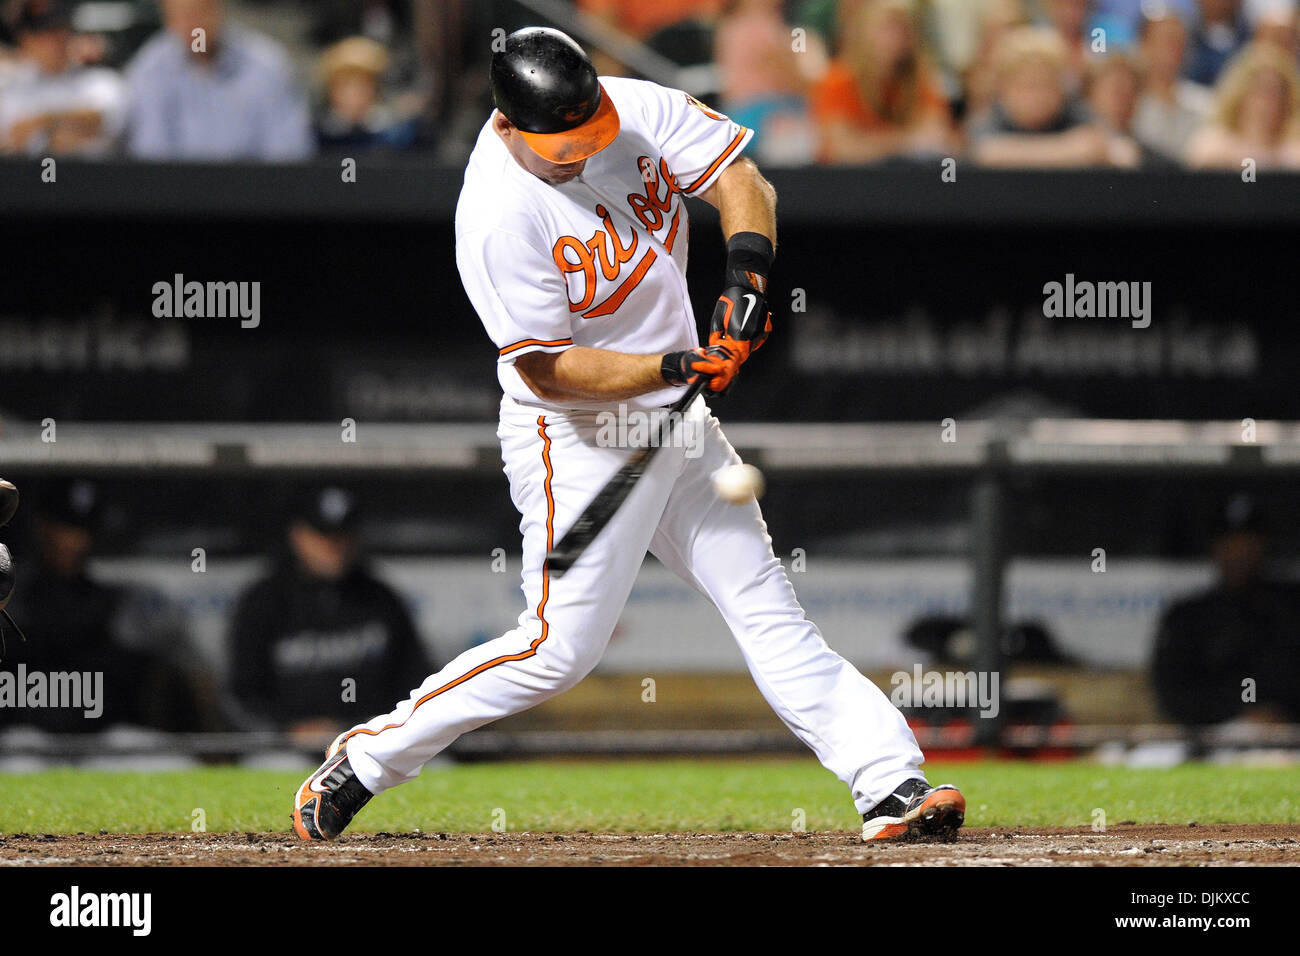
[555, 464]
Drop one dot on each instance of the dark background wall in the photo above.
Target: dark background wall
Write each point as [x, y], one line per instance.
[921, 300]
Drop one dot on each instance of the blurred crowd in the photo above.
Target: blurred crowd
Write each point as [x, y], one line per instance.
[1014, 83]
[1009, 83]
[189, 80]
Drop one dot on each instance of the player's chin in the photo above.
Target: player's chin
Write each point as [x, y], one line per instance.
[563, 174]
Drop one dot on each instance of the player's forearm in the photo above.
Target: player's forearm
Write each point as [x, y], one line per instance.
[586, 374]
[745, 200]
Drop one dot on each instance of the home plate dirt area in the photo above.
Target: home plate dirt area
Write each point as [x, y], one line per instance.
[1157, 845]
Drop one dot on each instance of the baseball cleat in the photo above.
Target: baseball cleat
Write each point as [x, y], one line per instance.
[329, 799]
[915, 809]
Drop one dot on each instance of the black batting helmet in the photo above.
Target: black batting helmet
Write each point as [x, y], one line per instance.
[545, 84]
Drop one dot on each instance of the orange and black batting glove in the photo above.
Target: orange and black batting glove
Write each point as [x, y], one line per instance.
[718, 362]
[741, 319]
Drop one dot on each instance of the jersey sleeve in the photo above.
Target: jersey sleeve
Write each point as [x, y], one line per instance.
[698, 142]
[517, 291]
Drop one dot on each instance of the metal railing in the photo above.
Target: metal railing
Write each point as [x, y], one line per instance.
[1082, 445]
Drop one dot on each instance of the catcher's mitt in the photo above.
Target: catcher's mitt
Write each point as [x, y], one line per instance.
[8, 505]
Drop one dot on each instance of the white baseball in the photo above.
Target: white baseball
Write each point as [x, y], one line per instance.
[738, 483]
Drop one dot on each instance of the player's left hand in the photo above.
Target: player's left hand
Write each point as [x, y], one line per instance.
[741, 321]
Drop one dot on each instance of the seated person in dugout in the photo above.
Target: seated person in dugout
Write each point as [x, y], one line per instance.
[1231, 651]
[127, 648]
[320, 642]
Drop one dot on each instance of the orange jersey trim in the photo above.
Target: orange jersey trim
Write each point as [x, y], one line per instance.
[525, 343]
[541, 605]
[713, 168]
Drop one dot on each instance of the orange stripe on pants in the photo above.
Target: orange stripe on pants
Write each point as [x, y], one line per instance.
[541, 605]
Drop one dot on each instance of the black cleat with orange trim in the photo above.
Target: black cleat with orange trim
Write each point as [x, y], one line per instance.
[329, 799]
[916, 809]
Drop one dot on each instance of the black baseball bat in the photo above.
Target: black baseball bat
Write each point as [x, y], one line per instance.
[603, 507]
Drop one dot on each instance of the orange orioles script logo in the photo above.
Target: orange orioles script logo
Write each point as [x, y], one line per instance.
[608, 251]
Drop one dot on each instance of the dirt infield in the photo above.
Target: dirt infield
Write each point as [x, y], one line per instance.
[1053, 846]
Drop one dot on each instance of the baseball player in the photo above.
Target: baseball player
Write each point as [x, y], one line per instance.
[571, 241]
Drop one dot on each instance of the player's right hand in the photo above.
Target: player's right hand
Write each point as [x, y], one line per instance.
[718, 362]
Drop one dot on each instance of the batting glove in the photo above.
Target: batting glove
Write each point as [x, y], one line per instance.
[717, 362]
[741, 319]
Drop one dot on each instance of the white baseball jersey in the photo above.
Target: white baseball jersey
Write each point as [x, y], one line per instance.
[601, 260]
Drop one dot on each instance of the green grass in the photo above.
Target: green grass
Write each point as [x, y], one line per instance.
[644, 795]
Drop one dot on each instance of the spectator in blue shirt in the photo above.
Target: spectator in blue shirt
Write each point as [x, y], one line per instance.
[1122, 19]
[205, 89]
[1221, 32]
